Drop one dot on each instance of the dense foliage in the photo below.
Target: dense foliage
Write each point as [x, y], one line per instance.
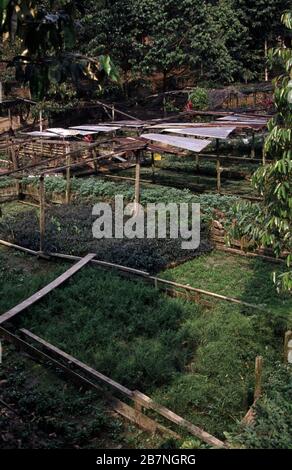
[47, 33]
[92, 190]
[69, 230]
[273, 423]
[269, 223]
[198, 362]
[221, 41]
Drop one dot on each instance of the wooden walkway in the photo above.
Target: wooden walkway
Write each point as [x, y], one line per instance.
[46, 290]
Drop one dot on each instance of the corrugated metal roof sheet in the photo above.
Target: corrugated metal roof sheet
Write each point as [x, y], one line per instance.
[213, 132]
[93, 128]
[39, 134]
[59, 131]
[244, 119]
[194, 145]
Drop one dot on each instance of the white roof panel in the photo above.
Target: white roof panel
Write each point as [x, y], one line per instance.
[59, 131]
[213, 132]
[194, 145]
[39, 134]
[95, 128]
[244, 119]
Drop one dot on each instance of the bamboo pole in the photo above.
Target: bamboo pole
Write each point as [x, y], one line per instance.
[142, 274]
[137, 179]
[258, 377]
[41, 121]
[68, 175]
[197, 162]
[218, 166]
[153, 166]
[288, 347]
[42, 212]
[252, 155]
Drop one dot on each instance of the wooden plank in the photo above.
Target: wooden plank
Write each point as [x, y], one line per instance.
[138, 397]
[207, 293]
[147, 402]
[124, 410]
[105, 264]
[234, 251]
[85, 368]
[143, 421]
[258, 377]
[46, 290]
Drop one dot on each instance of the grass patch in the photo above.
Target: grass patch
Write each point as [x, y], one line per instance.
[197, 361]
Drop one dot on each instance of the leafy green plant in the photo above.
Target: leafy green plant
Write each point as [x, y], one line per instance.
[91, 190]
[199, 98]
[268, 223]
[273, 418]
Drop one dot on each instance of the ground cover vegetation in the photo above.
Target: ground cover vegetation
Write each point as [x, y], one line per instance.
[198, 361]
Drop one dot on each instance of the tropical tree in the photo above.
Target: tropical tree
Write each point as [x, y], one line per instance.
[46, 30]
[264, 29]
[270, 222]
[217, 39]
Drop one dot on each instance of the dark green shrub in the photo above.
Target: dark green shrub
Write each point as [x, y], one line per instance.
[69, 230]
[273, 425]
[199, 98]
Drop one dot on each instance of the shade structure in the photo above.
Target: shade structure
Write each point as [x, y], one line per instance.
[60, 132]
[170, 125]
[213, 132]
[95, 128]
[244, 119]
[128, 124]
[194, 145]
[48, 135]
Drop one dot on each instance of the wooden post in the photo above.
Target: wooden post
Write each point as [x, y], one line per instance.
[253, 145]
[218, 167]
[42, 212]
[197, 162]
[137, 179]
[95, 153]
[14, 161]
[153, 166]
[288, 347]
[68, 175]
[266, 65]
[10, 119]
[41, 121]
[258, 377]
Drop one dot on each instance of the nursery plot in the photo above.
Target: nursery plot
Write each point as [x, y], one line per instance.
[202, 183]
[197, 362]
[69, 230]
[46, 411]
[247, 279]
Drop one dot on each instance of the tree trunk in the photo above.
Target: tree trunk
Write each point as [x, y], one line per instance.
[266, 64]
[164, 81]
